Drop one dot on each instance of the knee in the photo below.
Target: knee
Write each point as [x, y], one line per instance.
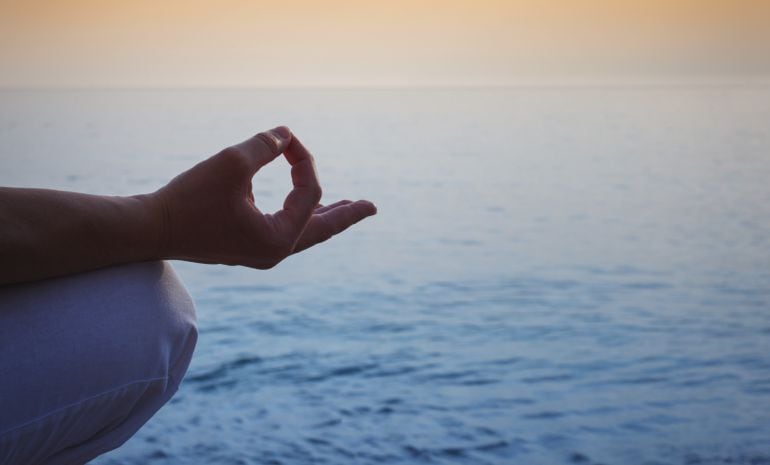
[139, 324]
[96, 355]
[155, 327]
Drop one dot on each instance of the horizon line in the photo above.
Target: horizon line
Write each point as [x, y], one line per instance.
[763, 81]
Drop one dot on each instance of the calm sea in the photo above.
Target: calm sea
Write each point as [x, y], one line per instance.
[555, 275]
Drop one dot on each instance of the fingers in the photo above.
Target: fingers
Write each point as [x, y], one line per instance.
[302, 220]
[264, 147]
[333, 220]
[302, 200]
[324, 208]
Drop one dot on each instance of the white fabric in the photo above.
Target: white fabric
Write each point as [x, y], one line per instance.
[86, 360]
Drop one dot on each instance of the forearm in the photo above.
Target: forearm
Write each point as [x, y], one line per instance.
[206, 214]
[46, 233]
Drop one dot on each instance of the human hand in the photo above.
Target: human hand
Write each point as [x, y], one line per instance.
[209, 216]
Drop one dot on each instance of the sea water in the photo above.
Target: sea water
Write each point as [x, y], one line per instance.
[555, 275]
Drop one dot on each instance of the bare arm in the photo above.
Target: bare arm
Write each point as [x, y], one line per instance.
[206, 214]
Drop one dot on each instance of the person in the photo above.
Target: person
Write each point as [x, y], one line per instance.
[96, 330]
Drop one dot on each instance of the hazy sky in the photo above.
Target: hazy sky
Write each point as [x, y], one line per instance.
[377, 42]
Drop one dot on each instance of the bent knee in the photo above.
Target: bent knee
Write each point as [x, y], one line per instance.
[93, 357]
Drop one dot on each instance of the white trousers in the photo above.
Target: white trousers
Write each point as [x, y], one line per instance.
[86, 360]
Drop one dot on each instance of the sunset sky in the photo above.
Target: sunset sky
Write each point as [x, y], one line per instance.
[146, 43]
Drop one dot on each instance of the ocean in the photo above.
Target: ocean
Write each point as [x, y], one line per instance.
[556, 275]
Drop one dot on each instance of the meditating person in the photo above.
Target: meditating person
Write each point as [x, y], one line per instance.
[96, 331]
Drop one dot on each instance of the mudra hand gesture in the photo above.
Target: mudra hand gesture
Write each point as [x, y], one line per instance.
[209, 213]
[206, 214]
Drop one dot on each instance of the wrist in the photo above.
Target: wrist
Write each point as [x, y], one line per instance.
[148, 231]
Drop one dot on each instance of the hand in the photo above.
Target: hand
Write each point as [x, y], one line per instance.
[209, 215]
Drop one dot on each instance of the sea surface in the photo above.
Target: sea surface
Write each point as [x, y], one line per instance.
[555, 275]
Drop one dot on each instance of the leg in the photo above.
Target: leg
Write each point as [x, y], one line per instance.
[86, 360]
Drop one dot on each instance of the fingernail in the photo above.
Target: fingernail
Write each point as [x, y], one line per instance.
[281, 132]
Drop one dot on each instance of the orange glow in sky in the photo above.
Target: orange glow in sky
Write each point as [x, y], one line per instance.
[84, 43]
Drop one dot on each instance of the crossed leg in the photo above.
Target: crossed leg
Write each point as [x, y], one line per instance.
[86, 360]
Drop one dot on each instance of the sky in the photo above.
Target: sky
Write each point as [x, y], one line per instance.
[240, 43]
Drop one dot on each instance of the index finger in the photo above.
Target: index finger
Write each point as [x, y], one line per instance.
[264, 147]
[303, 198]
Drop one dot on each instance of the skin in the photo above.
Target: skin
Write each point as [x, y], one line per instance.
[206, 215]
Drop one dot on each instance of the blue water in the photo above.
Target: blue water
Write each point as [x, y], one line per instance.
[555, 275]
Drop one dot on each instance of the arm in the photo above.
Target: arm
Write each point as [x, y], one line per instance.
[206, 215]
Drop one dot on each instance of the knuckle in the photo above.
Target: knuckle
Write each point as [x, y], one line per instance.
[269, 141]
[234, 157]
[316, 192]
[232, 152]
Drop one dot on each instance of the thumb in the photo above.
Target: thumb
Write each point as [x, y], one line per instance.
[265, 146]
